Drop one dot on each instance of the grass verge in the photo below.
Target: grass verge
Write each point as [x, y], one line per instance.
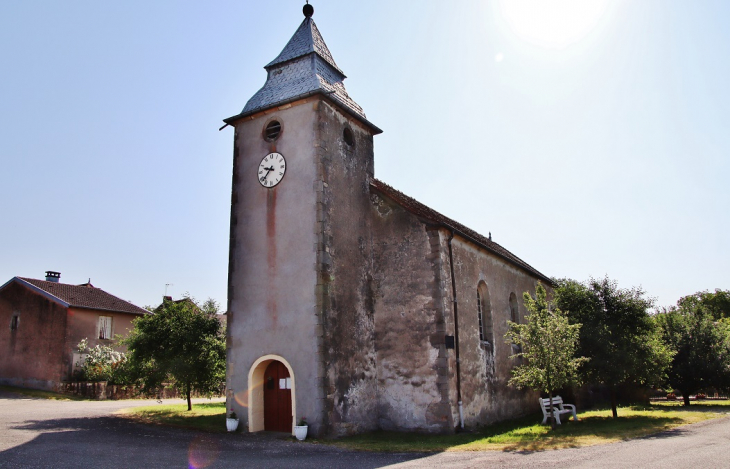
[41, 394]
[526, 434]
[699, 406]
[207, 417]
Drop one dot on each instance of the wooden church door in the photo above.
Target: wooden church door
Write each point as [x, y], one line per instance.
[277, 398]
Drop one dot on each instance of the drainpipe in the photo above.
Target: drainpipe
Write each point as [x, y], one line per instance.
[456, 333]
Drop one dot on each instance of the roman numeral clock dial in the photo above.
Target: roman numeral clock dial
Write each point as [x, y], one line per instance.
[272, 169]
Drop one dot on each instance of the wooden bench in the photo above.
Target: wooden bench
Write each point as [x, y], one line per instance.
[559, 407]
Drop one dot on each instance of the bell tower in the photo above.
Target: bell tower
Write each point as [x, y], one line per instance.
[302, 166]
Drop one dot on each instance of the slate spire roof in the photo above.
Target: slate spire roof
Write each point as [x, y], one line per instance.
[303, 68]
[306, 39]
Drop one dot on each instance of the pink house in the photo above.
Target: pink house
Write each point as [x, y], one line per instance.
[42, 322]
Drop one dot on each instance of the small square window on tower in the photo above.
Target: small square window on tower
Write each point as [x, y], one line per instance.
[105, 327]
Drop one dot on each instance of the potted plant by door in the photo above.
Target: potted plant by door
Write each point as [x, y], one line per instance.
[232, 421]
[300, 430]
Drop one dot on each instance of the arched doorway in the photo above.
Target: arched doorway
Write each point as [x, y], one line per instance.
[277, 398]
[258, 387]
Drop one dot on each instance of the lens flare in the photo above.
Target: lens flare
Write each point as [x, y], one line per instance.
[202, 453]
[243, 398]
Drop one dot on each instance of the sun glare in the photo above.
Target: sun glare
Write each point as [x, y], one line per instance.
[202, 453]
[552, 24]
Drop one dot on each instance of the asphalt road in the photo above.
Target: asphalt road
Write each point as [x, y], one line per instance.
[38, 433]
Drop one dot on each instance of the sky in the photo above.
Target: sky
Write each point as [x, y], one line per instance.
[591, 138]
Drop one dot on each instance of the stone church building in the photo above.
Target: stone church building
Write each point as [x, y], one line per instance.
[351, 304]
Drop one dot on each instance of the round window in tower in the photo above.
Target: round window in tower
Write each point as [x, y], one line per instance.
[272, 131]
[348, 137]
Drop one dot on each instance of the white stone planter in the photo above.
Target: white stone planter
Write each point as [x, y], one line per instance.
[231, 424]
[300, 431]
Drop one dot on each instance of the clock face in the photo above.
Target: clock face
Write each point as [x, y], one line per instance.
[272, 169]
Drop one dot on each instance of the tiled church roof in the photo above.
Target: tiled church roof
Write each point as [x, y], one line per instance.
[428, 214]
[84, 296]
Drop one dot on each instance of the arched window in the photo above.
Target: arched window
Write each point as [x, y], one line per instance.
[484, 314]
[479, 315]
[513, 311]
[514, 315]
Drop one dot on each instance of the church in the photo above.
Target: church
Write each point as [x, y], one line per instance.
[352, 306]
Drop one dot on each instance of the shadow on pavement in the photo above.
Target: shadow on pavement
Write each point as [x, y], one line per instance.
[115, 442]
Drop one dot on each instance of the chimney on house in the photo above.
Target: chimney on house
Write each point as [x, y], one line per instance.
[166, 298]
[52, 276]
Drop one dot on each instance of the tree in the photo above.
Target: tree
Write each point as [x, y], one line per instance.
[181, 343]
[210, 306]
[701, 346]
[717, 304]
[548, 344]
[618, 336]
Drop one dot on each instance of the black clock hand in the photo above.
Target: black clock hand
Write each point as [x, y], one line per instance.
[268, 170]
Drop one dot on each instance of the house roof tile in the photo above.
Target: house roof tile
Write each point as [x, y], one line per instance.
[85, 296]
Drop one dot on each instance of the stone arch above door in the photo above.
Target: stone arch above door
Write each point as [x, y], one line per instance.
[256, 391]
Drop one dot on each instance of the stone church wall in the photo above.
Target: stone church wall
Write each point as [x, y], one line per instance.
[362, 315]
[345, 282]
[485, 368]
[413, 371]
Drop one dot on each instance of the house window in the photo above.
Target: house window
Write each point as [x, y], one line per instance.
[105, 327]
[484, 314]
[14, 322]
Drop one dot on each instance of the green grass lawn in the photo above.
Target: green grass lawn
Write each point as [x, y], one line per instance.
[703, 404]
[208, 417]
[524, 434]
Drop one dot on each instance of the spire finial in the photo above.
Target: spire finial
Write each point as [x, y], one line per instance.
[308, 10]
